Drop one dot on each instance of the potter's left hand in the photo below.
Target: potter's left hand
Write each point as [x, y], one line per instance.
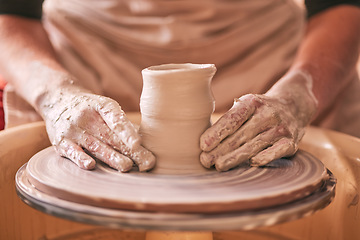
[83, 126]
[261, 128]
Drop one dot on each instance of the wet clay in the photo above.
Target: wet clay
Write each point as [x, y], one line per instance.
[176, 105]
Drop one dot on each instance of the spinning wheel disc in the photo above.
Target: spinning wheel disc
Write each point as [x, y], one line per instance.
[241, 189]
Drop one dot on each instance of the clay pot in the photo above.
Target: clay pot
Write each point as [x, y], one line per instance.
[176, 105]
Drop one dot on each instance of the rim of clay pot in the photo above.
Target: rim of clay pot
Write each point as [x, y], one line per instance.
[179, 67]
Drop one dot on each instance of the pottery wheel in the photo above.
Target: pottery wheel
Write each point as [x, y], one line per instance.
[244, 197]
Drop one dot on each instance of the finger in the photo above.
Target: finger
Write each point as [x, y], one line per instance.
[207, 159]
[282, 148]
[142, 157]
[99, 129]
[76, 154]
[257, 124]
[117, 121]
[249, 149]
[105, 153]
[227, 124]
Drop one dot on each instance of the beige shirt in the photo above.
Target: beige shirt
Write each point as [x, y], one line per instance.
[106, 44]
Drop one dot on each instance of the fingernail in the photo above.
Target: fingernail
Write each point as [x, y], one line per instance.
[88, 164]
[207, 160]
[254, 163]
[148, 164]
[226, 163]
[257, 162]
[122, 164]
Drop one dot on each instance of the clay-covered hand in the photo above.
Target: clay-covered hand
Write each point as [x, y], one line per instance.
[261, 128]
[82, 125]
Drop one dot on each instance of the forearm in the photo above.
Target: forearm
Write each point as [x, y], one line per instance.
[329, 52]
[28, 60]
[75, 119]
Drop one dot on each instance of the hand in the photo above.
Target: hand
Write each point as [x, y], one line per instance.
[261, 128]
[83, 125]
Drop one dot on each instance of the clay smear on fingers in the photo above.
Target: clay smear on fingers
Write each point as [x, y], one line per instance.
[285, 147]
[117, 121]
[76, 154]
[254, 126]
[142, 157]
[226, 125]
[249, 149]
[105, 153]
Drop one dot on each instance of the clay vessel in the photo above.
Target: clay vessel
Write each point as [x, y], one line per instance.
[176, 105]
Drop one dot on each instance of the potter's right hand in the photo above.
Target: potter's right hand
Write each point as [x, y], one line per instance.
[261, 128]
[82, 125]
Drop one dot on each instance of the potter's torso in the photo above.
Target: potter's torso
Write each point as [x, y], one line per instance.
[106, 44]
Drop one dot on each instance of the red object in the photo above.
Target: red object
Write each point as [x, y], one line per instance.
[2, 120]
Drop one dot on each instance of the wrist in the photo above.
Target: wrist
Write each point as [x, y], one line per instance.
[56, 92]
[295, 89]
